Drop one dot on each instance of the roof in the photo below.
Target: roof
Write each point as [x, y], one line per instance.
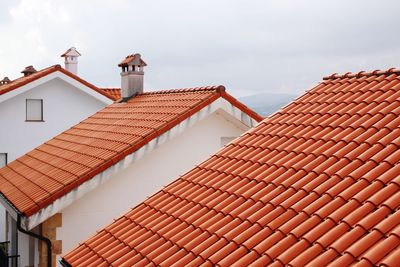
[71, 52]
[315, 184]
[132, 60]
[55, 168]
[115, 93]
[17, 83]
[29, 70]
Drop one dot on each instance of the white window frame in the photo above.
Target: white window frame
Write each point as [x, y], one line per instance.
[41, 110]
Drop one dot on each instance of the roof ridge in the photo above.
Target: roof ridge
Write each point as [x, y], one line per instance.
[216, 88]
[109, 88]
[362, 73]
[21, 81]
[57, 66]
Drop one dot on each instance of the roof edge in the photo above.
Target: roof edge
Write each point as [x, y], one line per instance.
[362, 73]
[9, 206]
[158, 132]
[215, 88]
[86, 83]
[254, 115]
[46, 71]
[28, 79]
[77, 189]
[118, 157]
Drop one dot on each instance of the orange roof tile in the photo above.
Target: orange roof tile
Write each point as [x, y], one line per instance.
[132, 58]
[317, 183]
[17, 83]
[53, 169]
[115, 93]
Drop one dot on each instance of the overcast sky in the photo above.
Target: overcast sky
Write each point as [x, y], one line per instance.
[249, 46]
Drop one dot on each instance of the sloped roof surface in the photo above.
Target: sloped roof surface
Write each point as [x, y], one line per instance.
[51, 170]
[115, 93]
[130, 59]
[17, 83]
[315, 184]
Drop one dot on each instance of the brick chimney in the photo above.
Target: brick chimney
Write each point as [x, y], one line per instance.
[28, 71]
[132, 76]
[71, 60]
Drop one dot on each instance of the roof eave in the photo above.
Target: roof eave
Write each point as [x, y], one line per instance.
[10, 208]
[93, 179]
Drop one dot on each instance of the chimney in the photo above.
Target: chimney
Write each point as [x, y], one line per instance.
[28, 71]
[71, 60]
[131, 76]
[5, 81]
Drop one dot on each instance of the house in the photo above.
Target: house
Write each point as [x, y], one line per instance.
[33, 107]
[41, 104]
[315, 184]
[62, 191]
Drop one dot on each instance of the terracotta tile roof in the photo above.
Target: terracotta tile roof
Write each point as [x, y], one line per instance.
[130, 59]
[115, 93]
[17, 83]
[315, 184]
[53, 169]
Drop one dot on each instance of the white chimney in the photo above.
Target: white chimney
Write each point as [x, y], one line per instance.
[71, 60]
[132, 76]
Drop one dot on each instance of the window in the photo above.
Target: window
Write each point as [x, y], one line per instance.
[3, 159]
[34, 110]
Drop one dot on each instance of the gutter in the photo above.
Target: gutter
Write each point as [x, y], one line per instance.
[14, 212]
[40, 237]
[64, 263]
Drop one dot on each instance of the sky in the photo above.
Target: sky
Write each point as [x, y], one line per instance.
[250, 46]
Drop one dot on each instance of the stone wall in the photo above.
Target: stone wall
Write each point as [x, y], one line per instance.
[48, 229]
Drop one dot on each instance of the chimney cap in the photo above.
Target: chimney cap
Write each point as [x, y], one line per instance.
[5, 80]
[28, 70]
[71, 52]
[132, 60]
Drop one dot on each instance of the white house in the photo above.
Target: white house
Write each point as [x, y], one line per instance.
[41, 104]
[65, 189]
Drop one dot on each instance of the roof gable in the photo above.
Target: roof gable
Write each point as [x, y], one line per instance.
[317, 183]
[26, 80]
[53, 169]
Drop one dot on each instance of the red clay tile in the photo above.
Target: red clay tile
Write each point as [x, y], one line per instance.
[372, 218]
[98, 142]
[317, 183]
[307, 255]
[392, 259]
[381, 250]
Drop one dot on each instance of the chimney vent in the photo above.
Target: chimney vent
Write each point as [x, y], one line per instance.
[5, 81]
[132, 76]
[28, 71]
[71, 60]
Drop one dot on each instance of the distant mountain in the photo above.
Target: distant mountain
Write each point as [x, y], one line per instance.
[267, 103]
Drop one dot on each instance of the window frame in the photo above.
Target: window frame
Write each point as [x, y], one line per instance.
[26, 110]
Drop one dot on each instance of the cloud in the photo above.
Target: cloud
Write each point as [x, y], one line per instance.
[249, 46]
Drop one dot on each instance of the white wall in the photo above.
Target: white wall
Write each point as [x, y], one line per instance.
[143, 178]
[63, 106]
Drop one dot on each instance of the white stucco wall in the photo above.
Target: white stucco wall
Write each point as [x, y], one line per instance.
[63, 106]
[143, 178]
